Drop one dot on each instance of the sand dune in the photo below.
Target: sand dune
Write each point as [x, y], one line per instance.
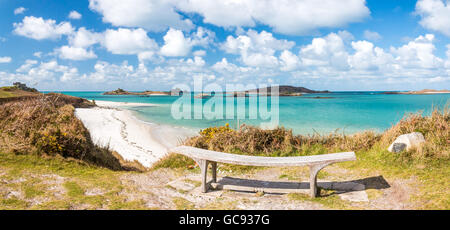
[134, 140]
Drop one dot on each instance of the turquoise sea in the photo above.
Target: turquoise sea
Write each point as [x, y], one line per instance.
[344, 112]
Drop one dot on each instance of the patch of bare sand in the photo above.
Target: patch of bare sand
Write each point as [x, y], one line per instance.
[397, 196]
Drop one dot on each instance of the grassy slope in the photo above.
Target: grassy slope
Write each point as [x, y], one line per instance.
[11, 91]
[34, 182]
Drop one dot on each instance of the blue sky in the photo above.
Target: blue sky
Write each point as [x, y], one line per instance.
[148, 44]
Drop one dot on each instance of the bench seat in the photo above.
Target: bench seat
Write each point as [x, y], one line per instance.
[204, 157]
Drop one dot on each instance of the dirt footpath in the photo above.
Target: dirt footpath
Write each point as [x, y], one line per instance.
[172, 189]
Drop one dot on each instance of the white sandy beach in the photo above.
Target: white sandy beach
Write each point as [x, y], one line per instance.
[111, 125]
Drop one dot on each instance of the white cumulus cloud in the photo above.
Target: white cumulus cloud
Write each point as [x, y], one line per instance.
[435, 15]
[325, 51]
[175, 44]
[26, 66]
[372, 35]
[418, 53]
[5, 59]
[287, 17]
[84, 38]
[128, 41]
[289, 61]
[149, 14]
[74, 15]
[19, 10]
[39, 28]
[75, 53]
[256, 49]
[368, 57]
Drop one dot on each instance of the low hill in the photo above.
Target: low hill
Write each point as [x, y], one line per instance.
[12, 91]
[287, 90]
[120, 91]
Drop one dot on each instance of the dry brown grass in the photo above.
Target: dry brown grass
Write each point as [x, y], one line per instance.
[46, 125]
[279, 142]
[435, 128]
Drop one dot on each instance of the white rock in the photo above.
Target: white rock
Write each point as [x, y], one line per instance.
[407, 140]
[355, 196]
[182, 185]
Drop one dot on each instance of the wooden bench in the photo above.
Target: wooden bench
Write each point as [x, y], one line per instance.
[316, 163]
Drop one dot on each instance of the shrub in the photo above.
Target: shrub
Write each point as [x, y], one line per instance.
[247, 139]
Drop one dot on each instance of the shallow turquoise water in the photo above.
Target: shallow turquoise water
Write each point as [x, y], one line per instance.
[346, 112]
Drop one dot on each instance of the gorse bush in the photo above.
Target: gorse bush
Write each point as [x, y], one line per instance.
[247, 139]
[210, 132]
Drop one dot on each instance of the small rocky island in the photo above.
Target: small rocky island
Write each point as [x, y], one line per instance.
[283, 90]
[120, 91]
[420, 92]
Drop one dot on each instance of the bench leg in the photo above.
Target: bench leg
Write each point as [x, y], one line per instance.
[313, 171]
[214, 171]
[204, 168]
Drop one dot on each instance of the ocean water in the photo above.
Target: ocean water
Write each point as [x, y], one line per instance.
[344, 112]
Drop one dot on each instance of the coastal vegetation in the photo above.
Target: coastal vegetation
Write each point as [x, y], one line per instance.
[48, 161]
[428, 164]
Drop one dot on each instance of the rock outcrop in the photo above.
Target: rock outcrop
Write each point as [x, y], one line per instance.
[406, 142]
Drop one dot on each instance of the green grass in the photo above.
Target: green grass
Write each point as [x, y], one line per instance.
[182, 204]
[73, 189]
[174, 161]
[12, 91]
[328, 199]
[5, 94]
[29, 175]
[431, 175]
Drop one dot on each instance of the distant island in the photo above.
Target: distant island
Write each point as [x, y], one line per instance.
[424, 91]
[283, 90]
[120, 91]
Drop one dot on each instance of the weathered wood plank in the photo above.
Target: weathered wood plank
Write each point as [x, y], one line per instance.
[263, 161]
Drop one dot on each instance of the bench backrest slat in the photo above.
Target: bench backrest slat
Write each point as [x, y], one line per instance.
[262, 161]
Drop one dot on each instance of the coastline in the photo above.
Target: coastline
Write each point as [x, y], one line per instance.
[111, 125]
